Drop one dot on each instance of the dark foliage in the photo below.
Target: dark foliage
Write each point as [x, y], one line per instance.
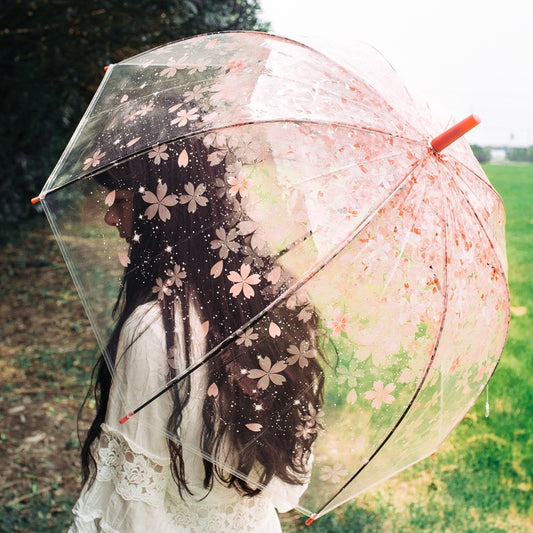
[52, 55]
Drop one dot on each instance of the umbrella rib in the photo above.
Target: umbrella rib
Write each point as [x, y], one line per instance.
[284, 296]
[126, 157]
[416, 392]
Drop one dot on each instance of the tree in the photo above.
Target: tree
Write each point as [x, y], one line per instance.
[482, 154]
[52, 55]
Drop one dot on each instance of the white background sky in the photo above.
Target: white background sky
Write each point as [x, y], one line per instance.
[461, 56]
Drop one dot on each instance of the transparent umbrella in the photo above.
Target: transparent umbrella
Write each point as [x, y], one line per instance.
[315, 193]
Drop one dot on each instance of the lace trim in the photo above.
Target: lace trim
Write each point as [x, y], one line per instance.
[134, 475]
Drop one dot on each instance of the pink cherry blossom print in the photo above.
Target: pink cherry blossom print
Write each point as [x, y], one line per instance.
[239, 184]
[380, 394]
[159, 202]
[243, 281]
[145, 109]
[110, 198]
[175, 276]
[183, 159]
[184, 116]
[158, 154]
[212, 391]
[274, 330]
[268, 373]
[340, 323]
[226, 242]
[194, 94]
[305, 431]
[173, 67]
[193, 197]
[247, 337]
[93, 161]
[161, 288]
[254, 427]
[334, 474]
[301, 355]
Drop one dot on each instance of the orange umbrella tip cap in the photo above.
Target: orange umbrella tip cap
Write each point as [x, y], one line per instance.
[311, 519]
[37, 199]
[125, 418]
[455, 132]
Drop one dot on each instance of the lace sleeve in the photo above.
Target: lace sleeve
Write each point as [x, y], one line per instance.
[135, 476]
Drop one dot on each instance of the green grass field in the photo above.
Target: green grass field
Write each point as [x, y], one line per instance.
[481, 480]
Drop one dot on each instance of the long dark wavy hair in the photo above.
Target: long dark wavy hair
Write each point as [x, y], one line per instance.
[289, 413]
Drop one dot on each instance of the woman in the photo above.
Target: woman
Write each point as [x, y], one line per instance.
[197, 272]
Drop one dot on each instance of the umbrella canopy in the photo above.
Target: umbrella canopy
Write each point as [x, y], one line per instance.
[310, 185]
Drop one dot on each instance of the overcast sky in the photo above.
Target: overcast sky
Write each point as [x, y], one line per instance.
[461, 56]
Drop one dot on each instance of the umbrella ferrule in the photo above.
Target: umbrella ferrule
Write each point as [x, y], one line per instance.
[455, 132]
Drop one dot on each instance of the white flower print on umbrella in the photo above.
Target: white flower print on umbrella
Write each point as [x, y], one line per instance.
[243, 281]
[93, 161]
[268, 373]
[380, 394]
[225, 242]
[160, 201]
[300, 355]
[193, 197]
[158, 154]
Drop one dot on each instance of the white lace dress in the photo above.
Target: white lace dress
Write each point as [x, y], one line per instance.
[134, 490]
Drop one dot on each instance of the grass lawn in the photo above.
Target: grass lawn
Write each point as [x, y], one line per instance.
[479, 481]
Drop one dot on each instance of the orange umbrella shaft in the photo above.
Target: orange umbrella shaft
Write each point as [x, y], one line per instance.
[455, 132]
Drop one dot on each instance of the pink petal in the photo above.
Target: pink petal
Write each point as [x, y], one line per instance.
[164, 213]
[205, 328]
[150, 198]
[161, 190]
[133, 141]
[183, 159]
[124, 259]
[247, 290]
[124, 98]
[151, 211]
[170, 200]
[277, 379]
[217, 268]
[235, 277]
[254, 279]
[263, 382]
[274, 330]
[110, 198]
[274, 275]
[280, 366]
[236, 290]
[212, 390]
[254, 427]
[245, 271]
[352, 397]
[256, 373]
